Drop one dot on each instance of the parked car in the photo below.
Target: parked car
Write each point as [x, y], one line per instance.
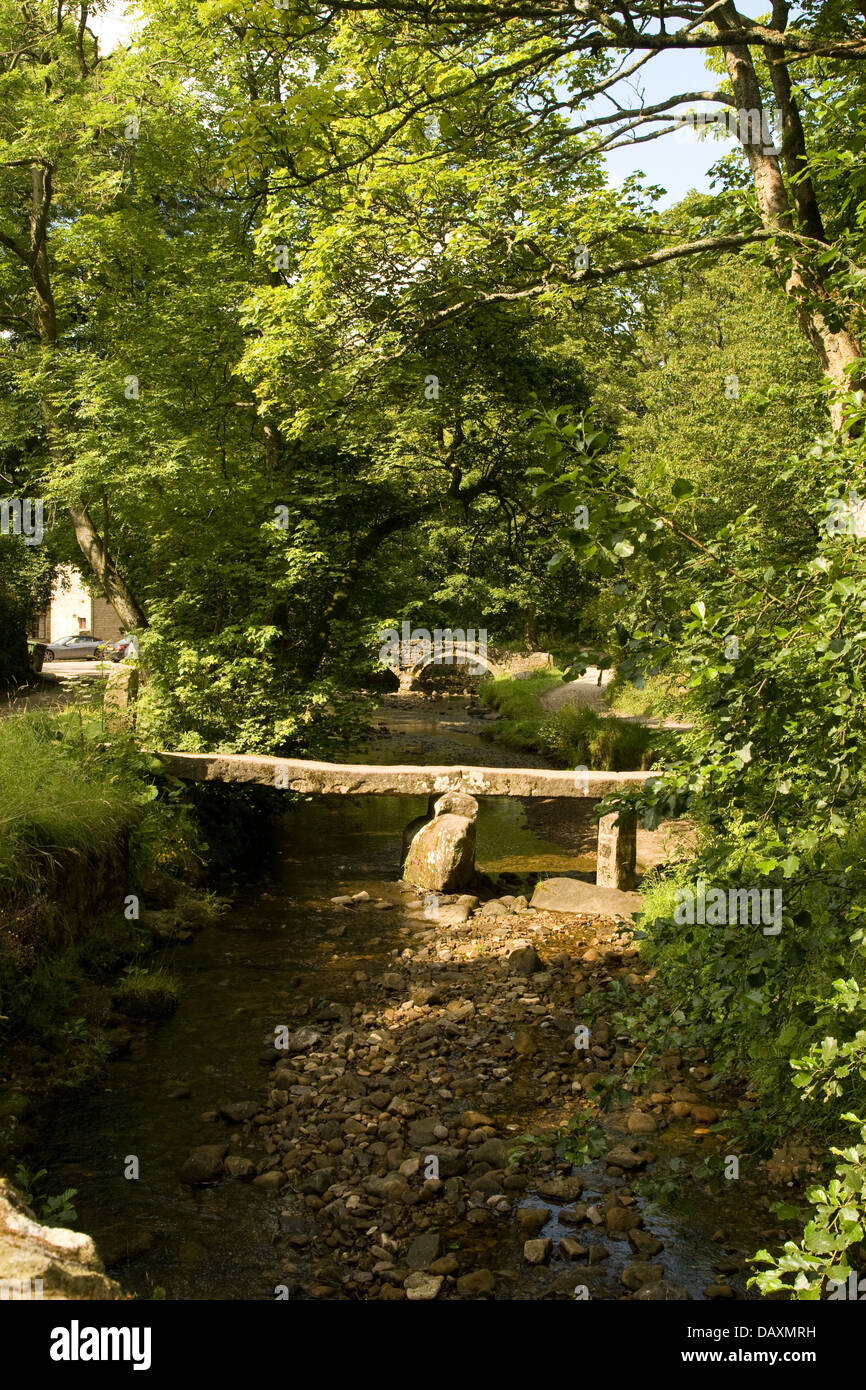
[80, 646]
[119, 650]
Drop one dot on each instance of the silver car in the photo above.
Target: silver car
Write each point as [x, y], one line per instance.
[81, 646]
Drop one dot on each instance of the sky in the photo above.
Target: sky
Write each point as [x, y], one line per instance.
[678, 162]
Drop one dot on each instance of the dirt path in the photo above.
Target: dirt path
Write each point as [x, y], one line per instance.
[589, 690]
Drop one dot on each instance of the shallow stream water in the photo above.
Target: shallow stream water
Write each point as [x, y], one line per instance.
[280, 943]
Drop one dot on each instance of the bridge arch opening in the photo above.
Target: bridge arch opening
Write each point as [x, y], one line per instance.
[464, 669]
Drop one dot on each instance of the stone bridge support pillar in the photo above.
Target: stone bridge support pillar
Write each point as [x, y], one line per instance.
[617, 851]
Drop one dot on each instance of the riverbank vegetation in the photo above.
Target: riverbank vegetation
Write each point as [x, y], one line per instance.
[97, 874]
[571, 735]
[318, 321]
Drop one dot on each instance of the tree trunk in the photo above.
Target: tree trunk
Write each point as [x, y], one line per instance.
[116, 589]
[836, 349]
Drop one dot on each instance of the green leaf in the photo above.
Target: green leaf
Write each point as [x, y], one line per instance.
[682, 488]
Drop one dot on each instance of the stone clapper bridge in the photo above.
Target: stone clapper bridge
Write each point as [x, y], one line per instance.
[616, 833]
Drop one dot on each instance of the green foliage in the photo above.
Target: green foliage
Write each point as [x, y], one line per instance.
[831, 1237]
[660, 695]
[571, 736]
[577, 736]
[58, 793]
[772, 771]
[56, 1210]
[146, 993]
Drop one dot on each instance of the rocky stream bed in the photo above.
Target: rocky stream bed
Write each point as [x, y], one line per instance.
[369, 1094]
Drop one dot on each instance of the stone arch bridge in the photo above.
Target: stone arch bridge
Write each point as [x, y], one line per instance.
[478, 661]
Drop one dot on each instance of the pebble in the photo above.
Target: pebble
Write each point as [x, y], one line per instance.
[423, 1288]
[389, 1128]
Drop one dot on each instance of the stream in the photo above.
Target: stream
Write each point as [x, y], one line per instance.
[282, 944]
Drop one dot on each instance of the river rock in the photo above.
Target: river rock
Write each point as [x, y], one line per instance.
[238, 1167]
[626, 1156]
[573, 1216]
[271, 1181]
[644, 1243]
[452, 1162]
[423, 1250]
[573, 895]
[494, 1151]
[317, 1182]
[393, 1187]
[571, 1249]
[239, 1111]
[205, 1164]
[456, 804]
[565, 1189]
[661, 1291]
[537, 1252]
[622, 1219]
[454, 914]
[441, 857]
[531, 1219]
[493, 909]
[635, 1275]
[303, 1040]
[525, 961]
[479, 1284]
[422, 1133]
[423, 1288]
[704, 1114]
[66, 1261]
[640, 1123]
[473, 1119]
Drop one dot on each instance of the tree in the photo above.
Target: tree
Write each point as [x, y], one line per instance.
[55, 105]
[533, 69]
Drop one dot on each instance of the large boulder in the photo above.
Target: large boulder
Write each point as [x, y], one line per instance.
[441, 857]
[46, 1262]
[456, 804]
[409, 835]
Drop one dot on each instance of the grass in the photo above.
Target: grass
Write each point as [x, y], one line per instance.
[54, 794]
[658, 695]
[572, 736]
[144, 993]
[578, 736]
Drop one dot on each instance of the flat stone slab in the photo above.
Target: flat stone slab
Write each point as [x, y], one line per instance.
[362, 779]
[573, 895]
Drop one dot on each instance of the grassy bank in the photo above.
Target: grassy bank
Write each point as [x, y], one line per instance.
[96, 866]
[571, 736]
[64, 791]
